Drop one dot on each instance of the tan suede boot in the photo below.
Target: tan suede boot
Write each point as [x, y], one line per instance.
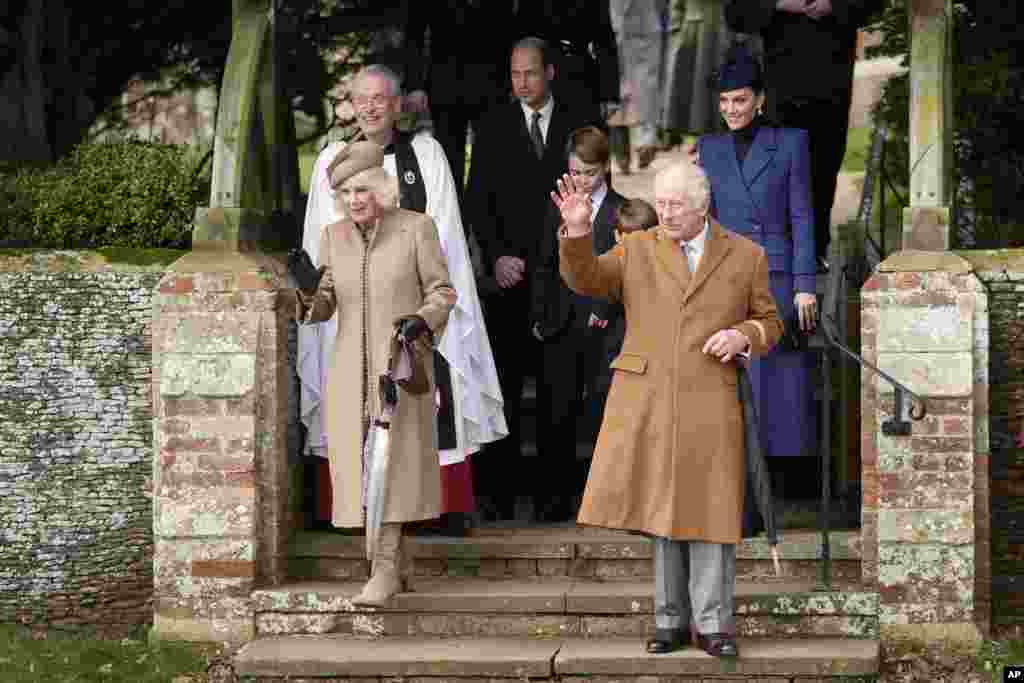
[386, 579]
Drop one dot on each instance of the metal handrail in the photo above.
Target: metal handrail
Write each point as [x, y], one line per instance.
[896, 425]
[839, 279]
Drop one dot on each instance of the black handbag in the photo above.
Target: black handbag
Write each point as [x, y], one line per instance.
[301, 267]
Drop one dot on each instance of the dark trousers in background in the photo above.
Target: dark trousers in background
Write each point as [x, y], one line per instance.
[500, 468]
[567, 360]
[450, 129]
[827, 124]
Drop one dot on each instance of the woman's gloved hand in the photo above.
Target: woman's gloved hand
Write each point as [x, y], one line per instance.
[306, 275]
[412, 327]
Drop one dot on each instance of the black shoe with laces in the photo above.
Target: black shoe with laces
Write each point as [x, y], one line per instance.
[667, 640]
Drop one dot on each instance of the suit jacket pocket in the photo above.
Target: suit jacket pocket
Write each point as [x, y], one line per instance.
[630, 362]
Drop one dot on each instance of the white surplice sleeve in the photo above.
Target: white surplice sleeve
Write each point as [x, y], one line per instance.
[479, 411]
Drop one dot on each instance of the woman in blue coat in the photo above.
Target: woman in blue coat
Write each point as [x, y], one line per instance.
[761, 188]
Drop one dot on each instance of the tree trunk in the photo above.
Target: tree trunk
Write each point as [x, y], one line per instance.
[43, 109]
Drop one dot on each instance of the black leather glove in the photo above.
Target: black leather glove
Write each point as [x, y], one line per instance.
[388, 391]
[302, 269]
[412, 327]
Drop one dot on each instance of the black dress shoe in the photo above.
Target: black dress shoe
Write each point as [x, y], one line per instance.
[718, 644]
[668, 640]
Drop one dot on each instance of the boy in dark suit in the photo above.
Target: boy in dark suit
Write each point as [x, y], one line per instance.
[564, 324]
[608, 320]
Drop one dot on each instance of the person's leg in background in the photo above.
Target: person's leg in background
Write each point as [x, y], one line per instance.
[559, 403]
[827, 124]
[497, 468]
[641, 30]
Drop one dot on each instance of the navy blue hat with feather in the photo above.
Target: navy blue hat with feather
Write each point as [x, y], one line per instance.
[740, 70]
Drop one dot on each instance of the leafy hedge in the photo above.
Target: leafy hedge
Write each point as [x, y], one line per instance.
[118, 194]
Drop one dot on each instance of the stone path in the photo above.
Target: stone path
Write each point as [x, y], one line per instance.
[481, 659]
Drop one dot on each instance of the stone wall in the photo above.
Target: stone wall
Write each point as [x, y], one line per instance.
[1002, 273]
[75, 433]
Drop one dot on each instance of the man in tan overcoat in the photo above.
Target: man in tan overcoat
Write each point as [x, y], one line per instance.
[669, 458]
[382, 267]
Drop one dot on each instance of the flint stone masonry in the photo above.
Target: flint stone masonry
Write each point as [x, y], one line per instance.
[76, 447]
[76, 543]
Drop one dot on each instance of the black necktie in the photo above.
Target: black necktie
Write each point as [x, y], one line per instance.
[536, 137]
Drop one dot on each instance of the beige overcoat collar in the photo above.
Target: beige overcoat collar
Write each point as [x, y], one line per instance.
[671, 256]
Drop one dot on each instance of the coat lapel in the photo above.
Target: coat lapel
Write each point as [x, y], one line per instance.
[604, 221]
[671, 257]
[715, 249]
[759, 156]
[555, 140]
[517, 123]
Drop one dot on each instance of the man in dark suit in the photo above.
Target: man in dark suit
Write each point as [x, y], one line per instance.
[518, 152]
[583, 47]
[569, 328]
[809, 51]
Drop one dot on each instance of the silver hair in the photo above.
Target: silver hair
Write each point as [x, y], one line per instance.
[381, 71]
[688, 178]
[534, 43]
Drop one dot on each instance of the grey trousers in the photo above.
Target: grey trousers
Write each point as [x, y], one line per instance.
[694, 580]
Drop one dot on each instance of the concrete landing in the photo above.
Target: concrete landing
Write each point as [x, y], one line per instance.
[508, 658]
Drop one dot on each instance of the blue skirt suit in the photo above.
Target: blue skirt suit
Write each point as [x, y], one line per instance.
[767, 197]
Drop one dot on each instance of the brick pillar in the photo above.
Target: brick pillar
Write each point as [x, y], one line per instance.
[220, 401]
[925, 322]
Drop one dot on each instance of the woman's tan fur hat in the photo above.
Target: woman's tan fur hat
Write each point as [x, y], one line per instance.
[354, 158]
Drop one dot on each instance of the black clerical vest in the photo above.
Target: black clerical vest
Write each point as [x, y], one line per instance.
[412, 191]
[412, 196]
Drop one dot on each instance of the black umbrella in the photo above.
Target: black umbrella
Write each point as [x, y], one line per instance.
[758, 486]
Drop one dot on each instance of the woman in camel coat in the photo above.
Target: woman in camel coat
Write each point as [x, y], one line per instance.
[382, 268]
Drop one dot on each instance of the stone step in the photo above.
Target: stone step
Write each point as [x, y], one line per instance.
[452, 607]
[418, 660]
[560, 552]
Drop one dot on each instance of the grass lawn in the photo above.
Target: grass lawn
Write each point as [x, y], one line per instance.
[995, 655]
[60, 659]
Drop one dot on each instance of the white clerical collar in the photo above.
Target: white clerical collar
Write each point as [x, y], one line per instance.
[545, 111]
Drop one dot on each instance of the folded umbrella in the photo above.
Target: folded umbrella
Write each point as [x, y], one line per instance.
[758, 481]
[376, 449]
